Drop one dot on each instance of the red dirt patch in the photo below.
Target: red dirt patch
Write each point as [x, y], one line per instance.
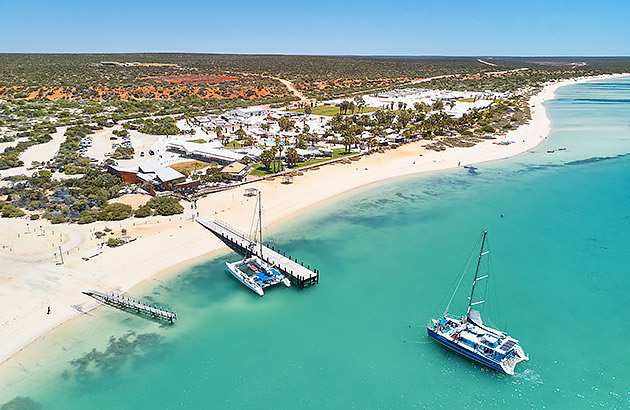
[194, 78]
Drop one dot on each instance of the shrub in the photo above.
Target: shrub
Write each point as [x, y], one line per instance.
[57, 219]
[10, 211]
[113, 242]
[143, 211]
[166, 205]
[34, 217]
[488, 129]
[123, 153]
[99, 234]
[87, 217]
[114, 212]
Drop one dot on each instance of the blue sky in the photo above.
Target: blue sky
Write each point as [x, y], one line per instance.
[450, 27]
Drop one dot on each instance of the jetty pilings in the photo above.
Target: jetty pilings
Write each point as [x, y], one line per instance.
[125, 303]
[299, 275]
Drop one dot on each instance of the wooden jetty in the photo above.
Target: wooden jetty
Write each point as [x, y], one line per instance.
[125, 303]
[299, 275]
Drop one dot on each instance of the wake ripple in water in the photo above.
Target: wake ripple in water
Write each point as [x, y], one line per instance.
[527, 375]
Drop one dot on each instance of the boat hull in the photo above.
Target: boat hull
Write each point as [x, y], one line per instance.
[464, 352]
[240, 276]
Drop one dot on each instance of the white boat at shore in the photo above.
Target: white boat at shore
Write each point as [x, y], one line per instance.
[262, 275]
[252, 271]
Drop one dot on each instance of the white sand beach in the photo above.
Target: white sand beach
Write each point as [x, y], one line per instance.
[32, 278]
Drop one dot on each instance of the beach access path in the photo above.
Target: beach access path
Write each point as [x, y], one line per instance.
[39, 152]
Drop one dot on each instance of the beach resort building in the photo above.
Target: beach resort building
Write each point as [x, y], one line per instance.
[207, 152]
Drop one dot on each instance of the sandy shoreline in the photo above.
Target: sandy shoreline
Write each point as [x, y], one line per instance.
[31, 280]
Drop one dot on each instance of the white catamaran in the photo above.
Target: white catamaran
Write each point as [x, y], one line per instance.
[467, 335]
[252, 271]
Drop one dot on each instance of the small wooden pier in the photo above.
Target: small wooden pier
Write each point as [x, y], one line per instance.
[125, 303]
[299, 275]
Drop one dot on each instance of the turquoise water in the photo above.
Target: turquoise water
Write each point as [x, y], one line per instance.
[389, 255]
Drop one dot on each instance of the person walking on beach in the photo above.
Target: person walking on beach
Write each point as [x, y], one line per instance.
[48, 313]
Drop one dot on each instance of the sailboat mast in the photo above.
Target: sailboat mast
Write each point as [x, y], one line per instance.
[260, 224]
[472, 291]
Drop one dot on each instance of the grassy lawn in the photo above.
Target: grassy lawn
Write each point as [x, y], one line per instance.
[466, 100]
[198, 141]
[260, 170]
[233, 144]
[331, 111]
[189, 166]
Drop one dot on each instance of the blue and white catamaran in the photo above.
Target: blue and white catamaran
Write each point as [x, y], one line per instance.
[467, 335]
[252, 271]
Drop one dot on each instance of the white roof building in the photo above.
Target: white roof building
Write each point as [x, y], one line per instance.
[154, 170]
[209, 151]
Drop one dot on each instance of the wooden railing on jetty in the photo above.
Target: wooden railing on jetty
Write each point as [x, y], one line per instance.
[125, 303]
[300, 275]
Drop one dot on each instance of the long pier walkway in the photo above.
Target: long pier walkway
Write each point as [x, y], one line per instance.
[299, 275]
[125, 303]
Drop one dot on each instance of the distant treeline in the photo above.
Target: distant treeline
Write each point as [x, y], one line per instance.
[73, 69]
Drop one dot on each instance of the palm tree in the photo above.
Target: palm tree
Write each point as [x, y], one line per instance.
[248, 141]
[371, 143]
[280, 147]
[266, 158]
[292, 156]
[344, 106]
[438, 105]
[240, 133]
[359, 102]
[286, 124]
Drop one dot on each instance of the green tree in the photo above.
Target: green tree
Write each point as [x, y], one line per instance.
[267, 157]
[404, 117]
[438, 105]
[359, 102]
[240, 133]
[286, 124]
[292, 156]
[344, 106]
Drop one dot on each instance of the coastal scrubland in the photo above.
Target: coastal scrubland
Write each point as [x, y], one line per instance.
[78, 95]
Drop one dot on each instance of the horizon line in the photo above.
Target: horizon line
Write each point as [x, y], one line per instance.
[323, 55]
